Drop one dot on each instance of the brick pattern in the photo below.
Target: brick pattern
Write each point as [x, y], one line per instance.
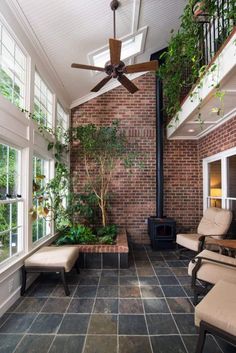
[121, 246]
[133, 197]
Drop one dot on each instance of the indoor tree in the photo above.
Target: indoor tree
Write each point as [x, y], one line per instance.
[103, 148]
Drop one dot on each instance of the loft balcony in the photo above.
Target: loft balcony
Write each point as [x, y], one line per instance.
[211, 101]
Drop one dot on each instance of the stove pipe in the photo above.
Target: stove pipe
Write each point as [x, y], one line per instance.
[159, 148]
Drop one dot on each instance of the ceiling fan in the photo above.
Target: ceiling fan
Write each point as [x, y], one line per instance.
[117, 68]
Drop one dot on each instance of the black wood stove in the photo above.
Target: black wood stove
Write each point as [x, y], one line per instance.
[161, 229]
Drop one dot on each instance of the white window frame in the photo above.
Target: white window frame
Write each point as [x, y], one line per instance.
[18, 46]
[48, 122]
[64, 117]
[224, 178]
[20, 212]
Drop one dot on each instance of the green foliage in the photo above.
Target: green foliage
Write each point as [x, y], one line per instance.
[110, 230]
[102, 149]
[8, 89]
[183, 64]
[79, 234]
[87, 207]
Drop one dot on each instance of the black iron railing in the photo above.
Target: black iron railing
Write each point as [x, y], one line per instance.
[216, 26]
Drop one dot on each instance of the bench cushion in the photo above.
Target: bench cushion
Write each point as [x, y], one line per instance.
[213, 272]
[53, 256]
[218, 308]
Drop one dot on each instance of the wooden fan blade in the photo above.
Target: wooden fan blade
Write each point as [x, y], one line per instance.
[148, 66]
[87, 67]
[101, 84]
[115, 50]
[129, 85]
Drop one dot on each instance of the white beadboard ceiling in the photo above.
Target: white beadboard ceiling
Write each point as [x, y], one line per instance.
[67, 30]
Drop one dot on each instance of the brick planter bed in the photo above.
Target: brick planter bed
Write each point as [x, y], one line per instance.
[105, 256]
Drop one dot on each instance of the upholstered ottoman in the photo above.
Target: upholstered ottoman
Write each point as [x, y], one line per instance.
[51, 259]
[216, 314]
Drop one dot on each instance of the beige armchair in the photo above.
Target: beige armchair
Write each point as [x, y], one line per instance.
[214, 223]
[209, 268]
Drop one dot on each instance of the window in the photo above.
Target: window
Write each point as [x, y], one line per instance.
[220, 180]
[43, 100]
[12, 69]
[132, 45]
[10, 203]
[42, 224]
[62, 122]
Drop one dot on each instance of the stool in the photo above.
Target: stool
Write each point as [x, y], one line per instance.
[215, 314]
[51, 259]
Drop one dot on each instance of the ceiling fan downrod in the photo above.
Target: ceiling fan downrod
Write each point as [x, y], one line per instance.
[114, 6]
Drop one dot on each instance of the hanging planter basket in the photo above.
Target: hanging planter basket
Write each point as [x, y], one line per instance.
[200, 12]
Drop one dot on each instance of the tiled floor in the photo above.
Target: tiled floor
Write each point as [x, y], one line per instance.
[144, 309]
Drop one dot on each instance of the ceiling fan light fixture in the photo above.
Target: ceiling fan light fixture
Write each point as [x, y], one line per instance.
[116, 68]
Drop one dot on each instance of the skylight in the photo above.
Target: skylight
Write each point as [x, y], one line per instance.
[132, 45]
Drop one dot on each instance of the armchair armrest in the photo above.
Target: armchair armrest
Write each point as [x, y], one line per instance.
[200, 258]
[202, 240]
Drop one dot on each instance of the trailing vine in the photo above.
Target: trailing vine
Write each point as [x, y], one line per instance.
[183, 61]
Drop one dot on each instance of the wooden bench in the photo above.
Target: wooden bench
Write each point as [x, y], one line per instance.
[216, 314]
[51, 259]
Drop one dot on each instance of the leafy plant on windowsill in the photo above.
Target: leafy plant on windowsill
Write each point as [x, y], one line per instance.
[183, 59]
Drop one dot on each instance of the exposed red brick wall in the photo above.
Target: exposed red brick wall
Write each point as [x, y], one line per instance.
[133, 195]
[181, 182]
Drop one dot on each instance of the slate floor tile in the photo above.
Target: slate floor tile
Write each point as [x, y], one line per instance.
[167, 344]
[163, 271]
[173, 291]
[109, 281]
[177, 263]
[180, 305]
[130, 306]
[209, 347]
[89, 281]
[67, 344]
[148, 281]
[103, 344]
[160, 324]
[41, 291]
[134, 344]
[108, 291]
[132, 325]
[109, 273]
[145, 271]
[9, 342]
[103, 324]
[80, 305]
[151, 292]
[180, 271]
[30, 305]
[17, 323]
[129, 281]
[130, 292]
[86, 292]
[185, 323]
[168, 280]
[46, 323]
[154, 306]
[35, 344]
[106, 306]
[59, 291]
[74, 324]
[128, 272]
[56, 305]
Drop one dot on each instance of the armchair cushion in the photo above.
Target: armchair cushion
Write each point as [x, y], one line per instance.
[215, 221]
[218, 307]
[212, 272]
[189, 241]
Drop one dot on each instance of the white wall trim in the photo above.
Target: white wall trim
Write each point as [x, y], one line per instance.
[107, 88]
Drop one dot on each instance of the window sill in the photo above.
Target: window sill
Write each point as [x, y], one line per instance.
[11, 267]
